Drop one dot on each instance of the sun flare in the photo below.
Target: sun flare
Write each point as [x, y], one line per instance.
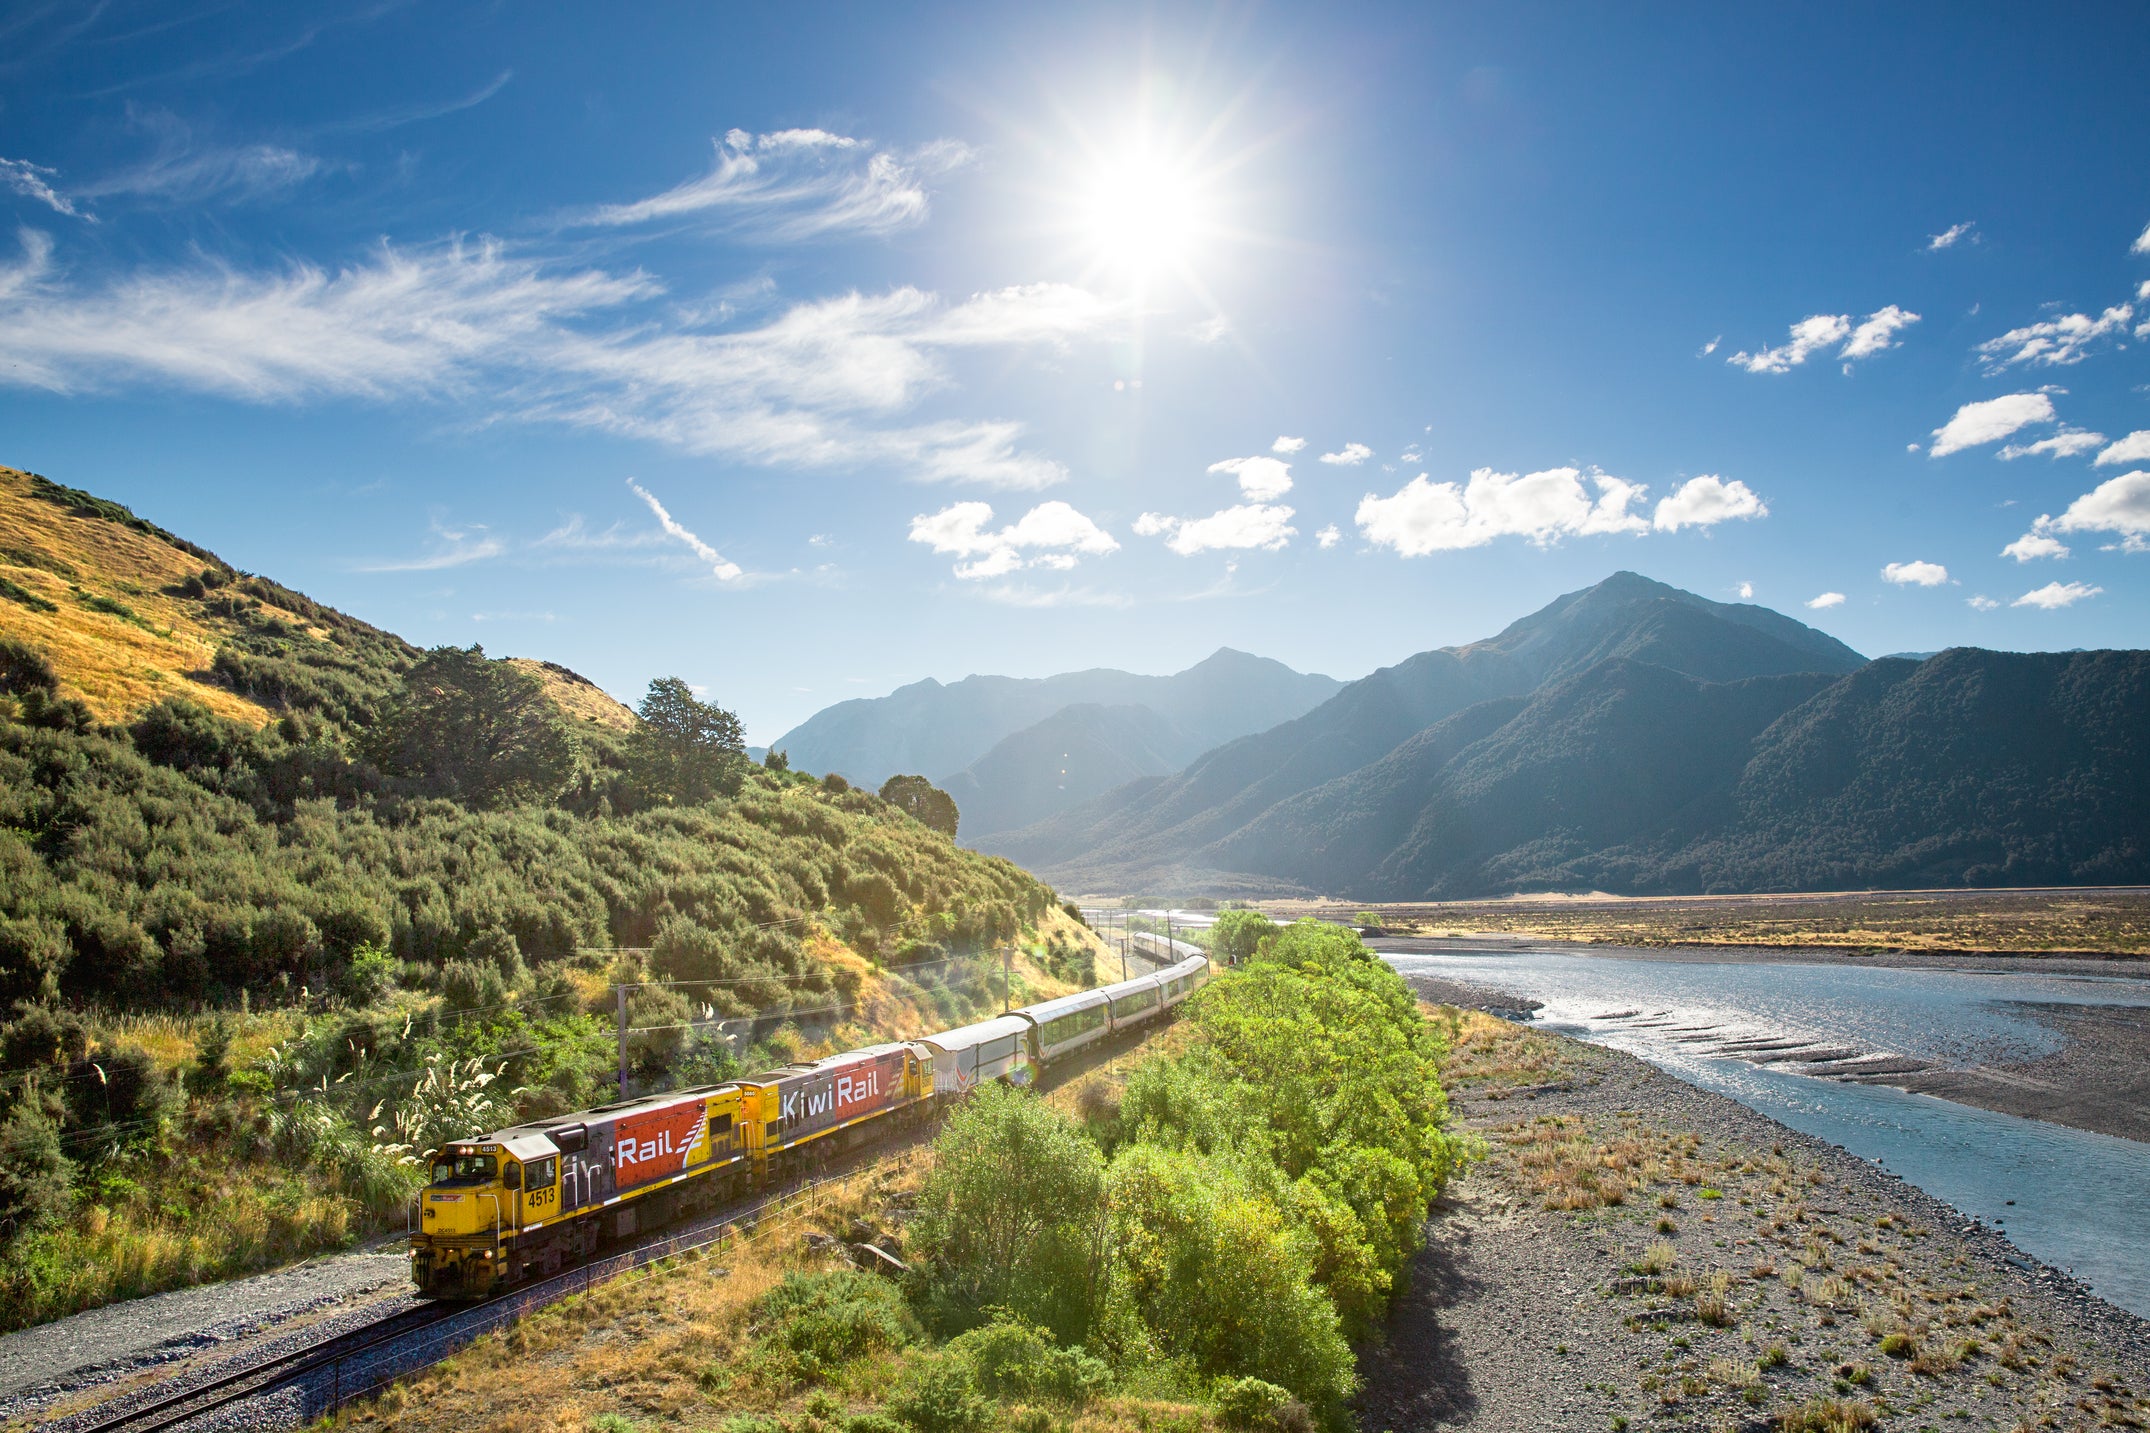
[1143, 214]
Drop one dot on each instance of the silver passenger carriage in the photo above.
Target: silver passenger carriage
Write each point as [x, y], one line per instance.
[1134, 1001]
[996, 1049]
[1069, 1023]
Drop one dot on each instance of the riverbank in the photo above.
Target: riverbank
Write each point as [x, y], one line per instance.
[2098, 1078]
[1636, 1252]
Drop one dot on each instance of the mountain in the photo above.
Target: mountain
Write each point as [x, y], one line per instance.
[936, 730]
[1072, 755]
[1131, 836]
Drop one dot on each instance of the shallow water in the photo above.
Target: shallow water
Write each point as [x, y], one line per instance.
[2081, 1200]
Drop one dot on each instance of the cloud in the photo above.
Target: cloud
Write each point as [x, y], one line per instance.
[1711, 347]
[1826, 600]
[1947, 238]
[817, 385]
[1425, 516]
[1248, 526]
[2034, 545]
[184, 174]
[2135, 448]
[1875, 334]
[1328, 536]
[2055, 595]
[2067, 443]
[724, 570]
[1260, 479]
[34, 181]
[1878, 332]
[2118, 505]
[2054, 343]
[1349, 456]
[1746, 590]
[1211, 330]
[1980, 603]
[1051, 535]
[797, 184]
[1706, 501]
[1915, 574]
[458, 545]
[1989, 421]
[2142, 242]
[1287, 446]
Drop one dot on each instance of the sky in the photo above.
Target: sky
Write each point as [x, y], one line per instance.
[803, 352]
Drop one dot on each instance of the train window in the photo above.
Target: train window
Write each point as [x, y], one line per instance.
[463, 1169]
[570, 1137]
[512, 1177]
[541, 1173]
[720, 1126]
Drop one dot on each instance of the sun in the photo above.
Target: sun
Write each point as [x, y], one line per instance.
[1143, 214]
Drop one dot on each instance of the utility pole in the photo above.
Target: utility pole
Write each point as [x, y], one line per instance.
[621, 991]
[1007, 972]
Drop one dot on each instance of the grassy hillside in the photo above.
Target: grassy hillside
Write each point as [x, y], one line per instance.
[311, 900]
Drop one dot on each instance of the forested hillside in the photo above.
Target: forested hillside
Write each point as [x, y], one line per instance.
[251, 847]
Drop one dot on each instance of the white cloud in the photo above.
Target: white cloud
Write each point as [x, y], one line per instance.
[1260, 479]
[1746, 590]
[1878, 332]
[1710, 347]
[1819, 331]
[1947, 238]
[34, 181]
[2056, 595]
[1989, 421]
[2142, 242]
[1287, 446]
[1424, 516]
[1051, 535]
[1250, 525]
[1915, 574]
[2118, 505]
[2034, 545]
[1211, 330]
[1706, 501]
[798, 184]
[184, 173]
[1980, 603]
[2054, 343]
[817, 385]
[1826, 600]
[1349, 456]
[725, 571]
[2135, 448]
[1328, 536]
[457, 546]
[2067, 443]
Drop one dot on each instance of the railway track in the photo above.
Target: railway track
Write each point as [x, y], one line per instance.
[321, 1378]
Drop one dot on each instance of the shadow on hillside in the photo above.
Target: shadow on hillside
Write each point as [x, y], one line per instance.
[1417, 1379]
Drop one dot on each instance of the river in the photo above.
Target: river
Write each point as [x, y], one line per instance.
[2076, 1200]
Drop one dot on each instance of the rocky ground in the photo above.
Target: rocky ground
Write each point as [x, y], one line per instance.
[1635, 1252]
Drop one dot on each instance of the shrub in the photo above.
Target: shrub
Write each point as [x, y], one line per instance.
[1013, 1359]
[940, 1395]
[1249, 1403]
[36, 1178]
[830, 1318]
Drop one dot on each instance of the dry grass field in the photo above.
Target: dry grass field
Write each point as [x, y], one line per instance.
[2096, 921]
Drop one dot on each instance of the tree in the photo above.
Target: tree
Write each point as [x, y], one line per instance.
[686, 750]
[923, 801]
[36, 1179]
[479, 731]
[1237, 935]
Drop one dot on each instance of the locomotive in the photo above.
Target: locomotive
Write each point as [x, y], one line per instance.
[524, 1201]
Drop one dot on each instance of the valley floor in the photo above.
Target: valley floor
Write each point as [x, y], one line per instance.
[1744, 1274]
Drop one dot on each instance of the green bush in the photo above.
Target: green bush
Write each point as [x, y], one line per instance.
[1011, 1359]
[940, 1395]
[826, 1319]
[1250, 1403]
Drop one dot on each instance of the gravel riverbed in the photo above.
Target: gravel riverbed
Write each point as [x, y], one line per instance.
[1704, 1266]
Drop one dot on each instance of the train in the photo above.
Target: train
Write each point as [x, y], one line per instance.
[525, 1201]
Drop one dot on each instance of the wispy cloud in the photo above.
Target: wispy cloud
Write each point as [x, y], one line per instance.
[723, 569]
[820, 384]
[1875, 334]
[1051, 535]
[2067, 443]
[1989, 421]
[797, 184]
[1424, 516]
[2056, 595]
[1247, 527]
[194, 175]
[453, 547]
[1951, 236]
[34, 181]
[1348, 456]
[386, 119]
[1827, 600]
[2056, 342]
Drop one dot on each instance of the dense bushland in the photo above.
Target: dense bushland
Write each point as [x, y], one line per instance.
[1238, 1215]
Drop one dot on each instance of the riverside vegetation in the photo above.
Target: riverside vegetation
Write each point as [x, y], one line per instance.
[1193, 1236]
[270, 929]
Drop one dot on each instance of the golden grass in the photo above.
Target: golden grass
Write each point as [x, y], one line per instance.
[577, 696]
[1486, 1050]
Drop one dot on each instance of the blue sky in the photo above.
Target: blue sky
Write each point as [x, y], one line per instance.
[807, 354]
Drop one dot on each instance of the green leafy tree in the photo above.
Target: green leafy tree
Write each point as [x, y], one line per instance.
[476, 730]
[686, 750]
[36, 1179]
[1013, 1212]
[922, 800]
[1237, 935]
